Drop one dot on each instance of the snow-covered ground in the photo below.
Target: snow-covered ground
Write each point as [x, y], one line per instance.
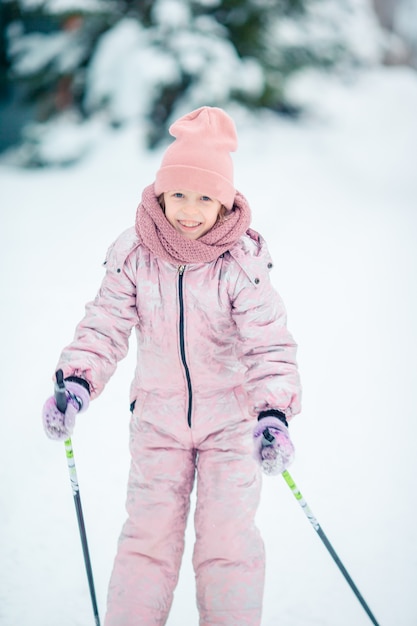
[336, 198]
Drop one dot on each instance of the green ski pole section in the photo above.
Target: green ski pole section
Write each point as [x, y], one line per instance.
[298, 496]
[81, 526]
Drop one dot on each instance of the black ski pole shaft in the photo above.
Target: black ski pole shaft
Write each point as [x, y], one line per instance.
[313, 521]
[61, 402]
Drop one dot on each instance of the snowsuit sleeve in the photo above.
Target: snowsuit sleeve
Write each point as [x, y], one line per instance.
[268, 350]
[102, 337]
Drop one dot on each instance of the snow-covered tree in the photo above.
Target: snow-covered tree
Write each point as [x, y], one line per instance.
[119, 61]
[399, 19]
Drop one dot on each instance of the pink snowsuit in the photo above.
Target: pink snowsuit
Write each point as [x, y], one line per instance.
[213, 351]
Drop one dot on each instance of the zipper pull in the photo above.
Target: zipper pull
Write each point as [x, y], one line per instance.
[181, 269]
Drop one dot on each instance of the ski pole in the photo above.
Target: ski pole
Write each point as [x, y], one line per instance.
[321, 534]
[61, 402]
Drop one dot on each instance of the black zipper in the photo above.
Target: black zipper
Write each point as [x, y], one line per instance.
[182, 342]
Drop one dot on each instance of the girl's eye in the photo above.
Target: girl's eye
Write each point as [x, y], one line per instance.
[206, 199]
[178, 194]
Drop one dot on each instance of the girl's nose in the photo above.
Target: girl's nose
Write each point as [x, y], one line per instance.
[189, 207]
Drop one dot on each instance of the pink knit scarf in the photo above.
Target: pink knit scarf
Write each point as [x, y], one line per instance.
[161, 238]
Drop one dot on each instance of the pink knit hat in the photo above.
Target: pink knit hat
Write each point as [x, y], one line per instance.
[199, 158]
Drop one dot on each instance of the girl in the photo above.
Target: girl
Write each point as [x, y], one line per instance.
[215, 383]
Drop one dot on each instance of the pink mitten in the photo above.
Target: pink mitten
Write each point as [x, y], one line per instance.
[59, 426]
[274, 450]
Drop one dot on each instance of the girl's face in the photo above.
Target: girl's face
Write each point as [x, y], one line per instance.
[190, 213]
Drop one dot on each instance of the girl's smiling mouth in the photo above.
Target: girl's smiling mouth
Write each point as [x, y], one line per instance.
[189, 224]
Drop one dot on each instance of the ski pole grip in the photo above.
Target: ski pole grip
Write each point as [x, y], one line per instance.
[60, 394]
[268, 438]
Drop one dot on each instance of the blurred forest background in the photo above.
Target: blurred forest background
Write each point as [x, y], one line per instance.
[71, 68]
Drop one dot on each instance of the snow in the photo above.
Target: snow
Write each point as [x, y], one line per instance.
[132, 67]
[125, 70]
[406, 21]
[171, 14]
[34, 51]
[335, 197]
[64, 6]
[352, 24]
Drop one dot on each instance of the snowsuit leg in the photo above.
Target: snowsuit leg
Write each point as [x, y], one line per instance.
[151, 544]
[229, 558]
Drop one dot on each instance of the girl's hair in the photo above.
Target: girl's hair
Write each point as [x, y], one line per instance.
[222, 216]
